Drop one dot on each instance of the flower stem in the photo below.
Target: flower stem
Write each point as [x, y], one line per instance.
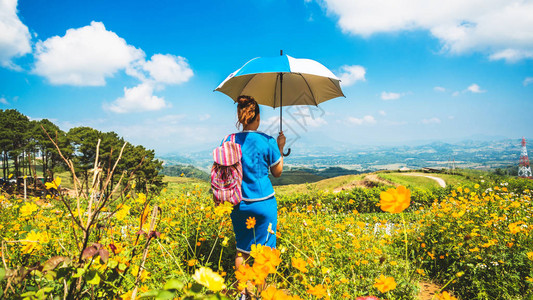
[405, 240]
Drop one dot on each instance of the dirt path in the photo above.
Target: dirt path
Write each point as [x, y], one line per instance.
[440, 181]
[370, 180]
[427, 290]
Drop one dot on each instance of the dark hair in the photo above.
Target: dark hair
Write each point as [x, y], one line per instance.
[247, 110]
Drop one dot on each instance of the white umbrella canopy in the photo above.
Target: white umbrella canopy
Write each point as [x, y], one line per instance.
[282, 81]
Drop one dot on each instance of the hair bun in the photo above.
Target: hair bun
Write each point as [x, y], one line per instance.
[244, 100]
[247, 109]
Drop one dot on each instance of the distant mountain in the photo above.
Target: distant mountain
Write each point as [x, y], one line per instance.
[468, 153]
[185, 171]
[309, 175]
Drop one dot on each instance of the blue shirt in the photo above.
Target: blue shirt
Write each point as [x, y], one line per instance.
[259, 152]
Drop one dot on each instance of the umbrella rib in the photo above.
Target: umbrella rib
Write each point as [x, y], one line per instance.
[251, 77]
[309, 87]
[330, 79]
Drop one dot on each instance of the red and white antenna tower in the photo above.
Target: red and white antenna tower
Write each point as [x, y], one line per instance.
[524, 170]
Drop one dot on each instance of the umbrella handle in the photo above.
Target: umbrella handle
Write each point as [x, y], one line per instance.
[288, 152]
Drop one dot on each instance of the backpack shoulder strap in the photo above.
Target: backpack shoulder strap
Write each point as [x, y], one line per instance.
[231, 136]
[224, 139]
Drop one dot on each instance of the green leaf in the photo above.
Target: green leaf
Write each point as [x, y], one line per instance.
[95, 280]
[50, 275]
[150, 294]
[165, 295]
[196, 288]
[28, 294]
[112, 264]
[2, 274]
[47, 289]
[79, 273]
[122, 267]
[173, 284]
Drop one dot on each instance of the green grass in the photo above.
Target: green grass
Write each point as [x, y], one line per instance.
[295, 177]
[424, 182]
[414, 181]
[329, 184]
[180, 183]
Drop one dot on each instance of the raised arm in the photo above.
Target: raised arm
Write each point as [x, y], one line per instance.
[277, 169]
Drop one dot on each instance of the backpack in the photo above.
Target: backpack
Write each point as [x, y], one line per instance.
[226, 173]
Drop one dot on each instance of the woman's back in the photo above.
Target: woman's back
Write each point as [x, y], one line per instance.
[259, 153]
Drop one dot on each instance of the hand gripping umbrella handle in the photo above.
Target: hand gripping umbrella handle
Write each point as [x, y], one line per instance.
[288, 152]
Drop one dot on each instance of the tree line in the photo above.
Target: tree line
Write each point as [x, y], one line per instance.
[25, 148]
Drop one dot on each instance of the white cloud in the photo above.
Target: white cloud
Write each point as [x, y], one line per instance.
[528, 81]
[351, 74]
[390, 96]
[168, 69]
[395, 123]
[474, 88]
[431, 121]
[456, 93]
[503, 29]
[360, 121]
[171, 119]
[439, 89]
[14, 35]
[382, 113]
[136, 99]
[204, 117]
[451, 117]
[512, 55]
[3, 101]
[84, 56]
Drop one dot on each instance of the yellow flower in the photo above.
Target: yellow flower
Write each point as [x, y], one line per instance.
[256, 250]
[446, 296]
[209, 279]
[385, 284]
[395, 200]
[299, 264]
[272, 293]
[141, 198]
[515, 227]
[318, 291]
[192, 262]
[530, 255]
[33, 241]
[250, 222]
[54, 184]
[135, 272]
[28, 209]
[127, 296]
[268, 259]
[223, 209]
[123, 212]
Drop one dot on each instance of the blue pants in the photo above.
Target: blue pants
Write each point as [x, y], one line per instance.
[265, 213]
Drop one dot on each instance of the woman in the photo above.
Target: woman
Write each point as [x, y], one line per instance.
[260, 153]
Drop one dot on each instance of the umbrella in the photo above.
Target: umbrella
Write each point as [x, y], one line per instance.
[282, 81]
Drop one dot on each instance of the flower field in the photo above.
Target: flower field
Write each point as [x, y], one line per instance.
[475, 241]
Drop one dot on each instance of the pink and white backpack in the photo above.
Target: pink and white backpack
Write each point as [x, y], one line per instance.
[226, 173]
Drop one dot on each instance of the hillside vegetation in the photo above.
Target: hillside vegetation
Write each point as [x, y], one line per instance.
[335, 241]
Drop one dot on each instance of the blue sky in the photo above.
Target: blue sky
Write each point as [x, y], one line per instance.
[414, 71]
